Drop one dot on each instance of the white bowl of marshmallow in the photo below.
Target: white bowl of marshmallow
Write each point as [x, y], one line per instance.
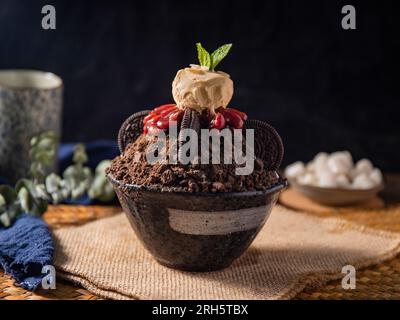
[334, 179]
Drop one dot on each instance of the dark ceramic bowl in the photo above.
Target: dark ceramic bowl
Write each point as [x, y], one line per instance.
[196, 232]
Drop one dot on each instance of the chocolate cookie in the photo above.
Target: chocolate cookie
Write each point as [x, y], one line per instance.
[131, 129]
[268, 144]
[190, 120]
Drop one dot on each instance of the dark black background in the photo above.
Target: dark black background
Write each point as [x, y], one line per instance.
[322, 87]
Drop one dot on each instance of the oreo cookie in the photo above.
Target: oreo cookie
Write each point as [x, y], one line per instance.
[131, 129]
[190, 120]
[268, 144]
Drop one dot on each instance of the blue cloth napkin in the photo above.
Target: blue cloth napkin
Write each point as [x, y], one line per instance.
[27, 245]
[25, 248]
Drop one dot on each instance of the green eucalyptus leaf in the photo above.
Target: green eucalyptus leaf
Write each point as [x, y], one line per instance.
[39, 208]
[78, 191]
[80, 155]
[25, 199]
[102, 167]
[34, 141]
[2, 202]
[40, 191]
[45, 143]
[37, 171]
[57, 188]
[51, 134]
[56, 197]
[97, 187]
[65, 189]
[10, 208]
[107, 194]
[38, 204]
[8, 194]
[52, 183]
[14, 210]
[5, 219]
[42, 153]
[69, 172]
[44, 158]
[101, 189]
[25, 183]
[87, 174]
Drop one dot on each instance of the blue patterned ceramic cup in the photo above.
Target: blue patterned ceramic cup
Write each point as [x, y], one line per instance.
[30, 103]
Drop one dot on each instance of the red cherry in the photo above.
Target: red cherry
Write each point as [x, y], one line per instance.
[163, 123]
[162, 107]
[166, 112]
[153, 119]
[176, 116]
[148, 117]
[240, 113]
[233, 119]
[152, 129]
[218, 122]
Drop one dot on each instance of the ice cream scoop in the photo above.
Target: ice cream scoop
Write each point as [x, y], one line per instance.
[201, 89]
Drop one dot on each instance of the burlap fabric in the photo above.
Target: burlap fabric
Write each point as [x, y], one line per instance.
[293, 251]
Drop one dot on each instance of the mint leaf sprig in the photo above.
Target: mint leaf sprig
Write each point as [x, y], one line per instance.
[212, 60]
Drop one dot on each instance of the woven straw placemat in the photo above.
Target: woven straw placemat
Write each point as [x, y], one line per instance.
[378, 282]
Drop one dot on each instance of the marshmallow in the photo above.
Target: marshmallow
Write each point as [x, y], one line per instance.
[320, 163]
[376, 176]
[307, 179]
[343, 154]
[310, 167]
[342, 181]
[295, 169]
[327, 179]
[364, 166]
[340, 162]
[362, 181]
[320, 158]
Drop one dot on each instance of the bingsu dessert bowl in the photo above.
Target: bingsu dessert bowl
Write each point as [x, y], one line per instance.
[195, 204]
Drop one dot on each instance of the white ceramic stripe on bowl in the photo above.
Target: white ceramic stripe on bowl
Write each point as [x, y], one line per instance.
[217, 222]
